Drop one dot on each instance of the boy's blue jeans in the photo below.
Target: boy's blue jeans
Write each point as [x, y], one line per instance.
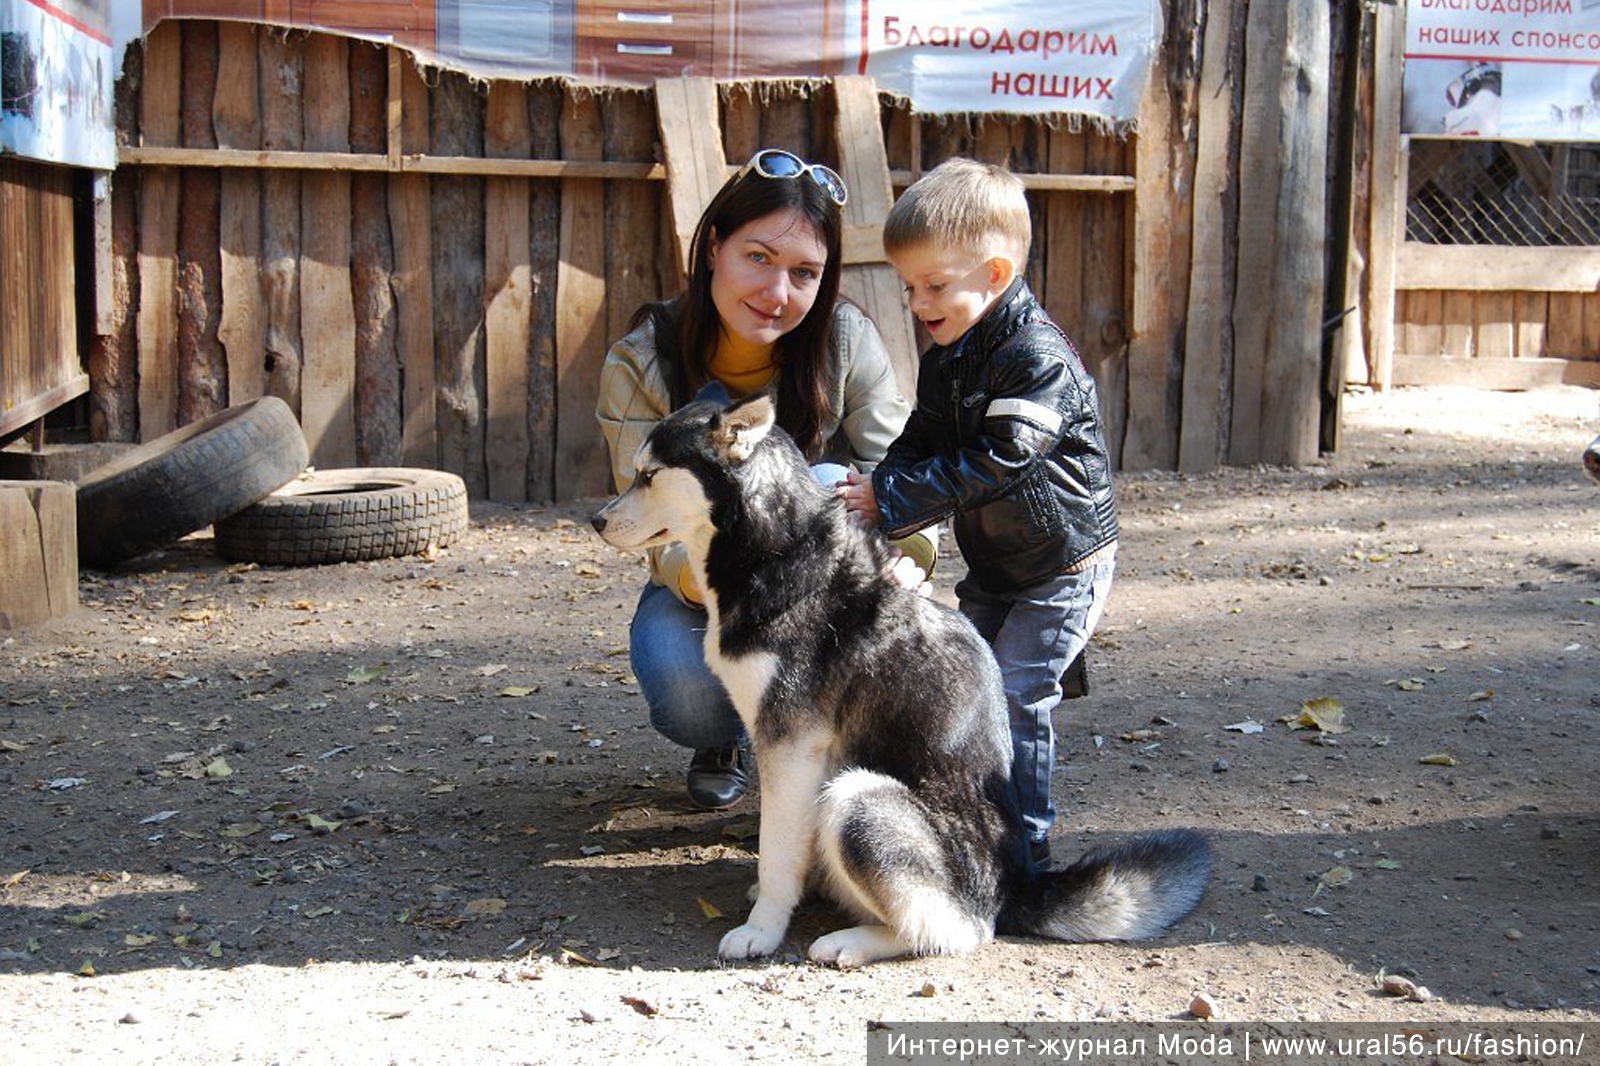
[1036, 633]
[667, 647]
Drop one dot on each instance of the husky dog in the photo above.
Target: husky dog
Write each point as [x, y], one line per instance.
[878, 717]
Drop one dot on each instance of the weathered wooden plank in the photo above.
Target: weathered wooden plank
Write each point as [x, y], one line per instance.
[508, 294]
[1064, 221]
[741, 123]
[236, 115]
[1203, 436]
[631, 207]
[581, 322]
[1162, 218]
[113, 358]
[865, 169]
[785, 122]
[1533, 315]
[159, 105]
[282, 72]
[1388, 187]
[202, 366]
[1564, 337]
[1103, 339]
[377, 361]
[1494, 373]
[327, 308]
[1496, 336]
[544, 225]
[691, 144]
[1489, 268]
[458, 233]
[1459, 314]
[1591, 326]
[411, 226]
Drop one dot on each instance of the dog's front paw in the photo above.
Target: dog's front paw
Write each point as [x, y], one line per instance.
[841, 949]
[750, 942]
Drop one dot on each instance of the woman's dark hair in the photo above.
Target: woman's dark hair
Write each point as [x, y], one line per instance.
[687, 326]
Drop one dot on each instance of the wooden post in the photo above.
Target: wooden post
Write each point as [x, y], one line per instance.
[1064, 220]
[1202, 441]
[113, 358]
[544, 226]
[202, 367]
[1388, 187]
[38, 552]
[158, 234]
[458, 282]
[691, 145]
[865, 169]
[281, 67]
[236, 114]
[327, 308]
[508, 295]
[741, 124]
[377, 361]
[410, 221]
[584, 469]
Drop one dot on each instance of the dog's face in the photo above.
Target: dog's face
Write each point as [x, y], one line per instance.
[684, 464]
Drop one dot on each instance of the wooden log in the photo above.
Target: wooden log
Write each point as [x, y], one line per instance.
[458, 283]
[1388, 186]
[159, 103]
[1533, 314]
[377, 361]
[1353, 356]
[281, 65]
[38, 552]
[1495, 333]
[1208, 342]
[544, 227]
[236, 115]
[508, 295]
[686, 113]
[411, 224]
[113, 359]
[1162, 220]
[327, 308]
[202, 366]
[876, 289]
[581, 322]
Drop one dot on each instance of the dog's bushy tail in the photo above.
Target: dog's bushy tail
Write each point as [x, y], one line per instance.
[1127, 891]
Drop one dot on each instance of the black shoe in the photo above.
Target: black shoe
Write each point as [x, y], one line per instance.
[718, 777]
[1039, 854]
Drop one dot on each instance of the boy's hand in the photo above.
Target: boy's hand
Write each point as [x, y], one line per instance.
[908, 575]
[859, 502]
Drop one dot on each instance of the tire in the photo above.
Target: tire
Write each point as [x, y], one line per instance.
[342, 516]
[187, 480]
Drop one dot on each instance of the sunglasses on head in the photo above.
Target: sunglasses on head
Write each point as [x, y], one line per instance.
[777, 163]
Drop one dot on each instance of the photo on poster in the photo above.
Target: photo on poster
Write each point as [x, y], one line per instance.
[1553, 102]
[55, 82]
[1453, 98]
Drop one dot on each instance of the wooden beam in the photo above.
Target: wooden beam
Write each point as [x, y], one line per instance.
[507, 295]
[691, 141]
[1485, 373]
[36, 407]
[581, 309]
[864, 165]
[410, 221]
[1495, 268]
[158, 236]
[395, 110]
[862, 243]
[236, 114]
[1388, 187]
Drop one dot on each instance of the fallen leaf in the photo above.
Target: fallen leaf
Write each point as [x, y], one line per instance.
[1338, 877]
[138, 940]
[586, 570]
[319, 912]
[570, 956]
[1325, 715]
[1590, 601]
[487, 907]
[87, 969]
[12, 745]
[1481, 697]
[1453, 645]
[302, 605]
[1438, 760]
[362, 674]
[644, 1007]
[14, 879]
[489, 669]
[517, 691]
[1387, 864]
[61, 784]
[1138, 735]
[241, 829]
[219, 767]
[317, 822]
[708, 908]
[1246, 726]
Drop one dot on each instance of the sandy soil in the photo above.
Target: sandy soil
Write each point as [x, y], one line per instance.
[412, 811]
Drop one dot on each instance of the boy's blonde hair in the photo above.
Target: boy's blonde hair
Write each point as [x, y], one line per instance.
[963, 205]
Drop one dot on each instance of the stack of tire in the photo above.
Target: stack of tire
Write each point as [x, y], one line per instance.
[243, 472]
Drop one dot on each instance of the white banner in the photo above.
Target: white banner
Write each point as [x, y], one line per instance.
[1012, 55]
[1508, 69]
[55, 82]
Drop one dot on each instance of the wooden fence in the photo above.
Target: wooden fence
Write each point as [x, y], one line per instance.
[39, 368]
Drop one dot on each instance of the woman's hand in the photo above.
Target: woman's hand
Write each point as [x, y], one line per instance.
[859, 502]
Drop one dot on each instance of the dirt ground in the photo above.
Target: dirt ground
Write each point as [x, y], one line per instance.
[412, 810]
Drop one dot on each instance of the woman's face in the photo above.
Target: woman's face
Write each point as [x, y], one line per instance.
[765, 274]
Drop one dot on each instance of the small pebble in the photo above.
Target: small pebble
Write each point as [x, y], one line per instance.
[1203, 1006]
[1548, 832]
[1260, 884]
[1220, 766]
[128, 1019]
[1513, 934]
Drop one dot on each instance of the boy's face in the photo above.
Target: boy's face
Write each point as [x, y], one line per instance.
[950, 291]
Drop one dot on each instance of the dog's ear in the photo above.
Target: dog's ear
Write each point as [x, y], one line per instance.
[744, 425]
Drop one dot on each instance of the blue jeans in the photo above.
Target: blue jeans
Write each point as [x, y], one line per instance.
[667, 646]
[1036, 633]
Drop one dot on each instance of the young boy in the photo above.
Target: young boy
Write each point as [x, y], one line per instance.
[1006, 439]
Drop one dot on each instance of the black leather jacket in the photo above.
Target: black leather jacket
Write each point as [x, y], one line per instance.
[1006, 437]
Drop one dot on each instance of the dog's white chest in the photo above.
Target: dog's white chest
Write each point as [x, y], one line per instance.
[746, 678]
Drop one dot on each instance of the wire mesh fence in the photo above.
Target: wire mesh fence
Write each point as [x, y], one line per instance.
[1495, 192]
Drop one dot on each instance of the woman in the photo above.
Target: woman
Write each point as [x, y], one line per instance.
[761, 311]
